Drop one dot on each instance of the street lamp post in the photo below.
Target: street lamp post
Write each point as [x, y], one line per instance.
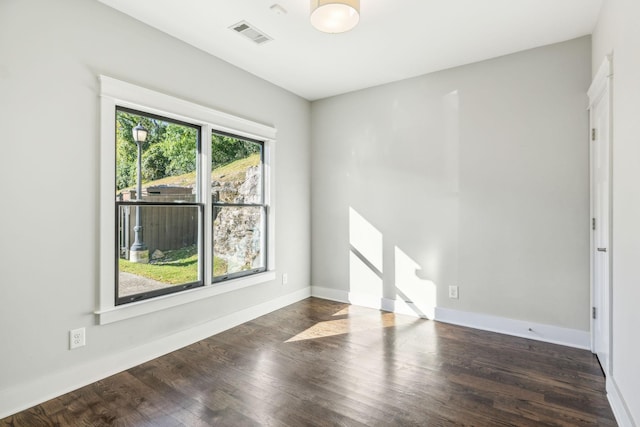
[139, 252]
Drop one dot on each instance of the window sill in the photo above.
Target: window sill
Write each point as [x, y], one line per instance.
[140, 308]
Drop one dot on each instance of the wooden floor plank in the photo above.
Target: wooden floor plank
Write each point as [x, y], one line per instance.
[322, 363]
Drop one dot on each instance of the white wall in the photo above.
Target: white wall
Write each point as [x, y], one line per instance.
[50, 56]
[618, 32]
[475, 176]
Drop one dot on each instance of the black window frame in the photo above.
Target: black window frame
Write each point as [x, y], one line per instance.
[263, 205]
[201, 215]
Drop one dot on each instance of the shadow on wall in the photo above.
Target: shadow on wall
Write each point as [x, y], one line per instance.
[411, 294]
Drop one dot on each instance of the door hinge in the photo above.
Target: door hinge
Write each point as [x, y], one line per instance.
[593, 312]
[593, 223]
[593, 134]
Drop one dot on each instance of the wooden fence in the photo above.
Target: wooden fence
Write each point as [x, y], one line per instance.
[163, 227]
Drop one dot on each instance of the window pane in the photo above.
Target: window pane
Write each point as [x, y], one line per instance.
[237, 170]
[168, 159]
[171, 235]
[238, 239]
[158, 246]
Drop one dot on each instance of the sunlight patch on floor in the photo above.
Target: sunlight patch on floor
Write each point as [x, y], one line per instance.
[372, 321]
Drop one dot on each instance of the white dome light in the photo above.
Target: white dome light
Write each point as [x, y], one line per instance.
[335, 16]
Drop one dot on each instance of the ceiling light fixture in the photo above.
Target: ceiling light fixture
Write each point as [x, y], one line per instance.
[335, 16]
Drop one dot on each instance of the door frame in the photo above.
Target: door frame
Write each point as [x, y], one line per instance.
[601, 87]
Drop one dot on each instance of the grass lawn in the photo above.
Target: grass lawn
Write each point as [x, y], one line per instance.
[235, 171]
[176, 267]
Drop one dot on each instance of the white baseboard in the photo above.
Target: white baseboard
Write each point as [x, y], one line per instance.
[23, 396]
[518, 328]
[332, 295]
[619, 408]
[362, 300]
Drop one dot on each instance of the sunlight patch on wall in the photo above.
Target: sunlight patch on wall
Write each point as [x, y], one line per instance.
[418, 294]
[363, 279]
[365, 239]
[365, 257]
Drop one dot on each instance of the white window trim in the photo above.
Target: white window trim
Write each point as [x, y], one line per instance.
[118, 93]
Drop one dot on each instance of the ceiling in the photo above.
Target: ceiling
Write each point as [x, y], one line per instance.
[394, 40]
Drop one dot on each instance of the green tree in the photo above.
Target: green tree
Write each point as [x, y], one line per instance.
[179, 147]
[169, 150]
[225, 149]
[154, 163]
[127, 150]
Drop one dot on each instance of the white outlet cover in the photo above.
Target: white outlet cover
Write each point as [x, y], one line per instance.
[453, 292]
[76, 338]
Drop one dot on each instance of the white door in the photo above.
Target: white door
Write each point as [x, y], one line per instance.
[600, 199]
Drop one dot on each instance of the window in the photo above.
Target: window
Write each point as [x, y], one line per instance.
[186, 202]
[159, 212]
[239, 211]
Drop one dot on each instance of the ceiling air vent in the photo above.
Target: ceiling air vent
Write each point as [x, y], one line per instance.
[250, 32]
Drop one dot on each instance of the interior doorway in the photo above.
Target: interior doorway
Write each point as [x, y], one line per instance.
[600, 176]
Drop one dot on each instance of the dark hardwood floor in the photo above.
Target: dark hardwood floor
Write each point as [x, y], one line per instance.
[321, 363]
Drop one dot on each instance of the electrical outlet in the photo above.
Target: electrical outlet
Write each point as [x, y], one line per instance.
[285, 278]
[76, 338]
[453, 292]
